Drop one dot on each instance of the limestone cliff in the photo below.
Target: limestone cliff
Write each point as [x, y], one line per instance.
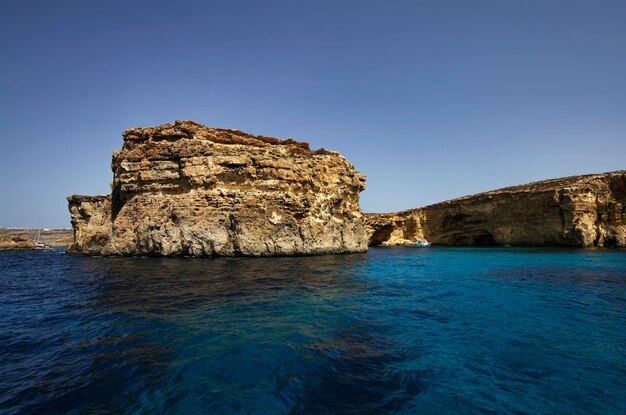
[581, 211]
[188, 189]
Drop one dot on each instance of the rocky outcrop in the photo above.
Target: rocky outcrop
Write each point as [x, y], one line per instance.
[188, 189]
[15, 243]
[581, 211]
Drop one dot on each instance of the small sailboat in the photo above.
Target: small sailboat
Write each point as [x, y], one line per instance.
[39, 245]
[420, 243]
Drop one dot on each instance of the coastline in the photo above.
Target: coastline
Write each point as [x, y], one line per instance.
[23, 239]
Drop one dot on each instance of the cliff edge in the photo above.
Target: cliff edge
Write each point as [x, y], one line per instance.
[189, 189]
[578, 211]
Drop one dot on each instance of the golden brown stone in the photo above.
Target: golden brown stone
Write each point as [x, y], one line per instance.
[15, 243]
[581, 211]
[188, 189]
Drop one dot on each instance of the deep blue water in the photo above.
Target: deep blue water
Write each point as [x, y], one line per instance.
[429, 331]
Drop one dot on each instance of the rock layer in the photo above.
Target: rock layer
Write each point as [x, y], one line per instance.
[580, 211]
[188, 189]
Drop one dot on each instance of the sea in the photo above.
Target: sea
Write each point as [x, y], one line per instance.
[391, 331]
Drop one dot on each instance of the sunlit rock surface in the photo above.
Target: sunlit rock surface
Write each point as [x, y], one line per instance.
[582, 211]
[15, 243]
[188, 189]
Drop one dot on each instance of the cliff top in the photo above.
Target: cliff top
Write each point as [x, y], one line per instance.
[544, 185]
[193, 130]
[83, 198]
[532, 187]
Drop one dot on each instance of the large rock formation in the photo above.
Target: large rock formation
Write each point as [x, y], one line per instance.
[188, 189]
[581, 211]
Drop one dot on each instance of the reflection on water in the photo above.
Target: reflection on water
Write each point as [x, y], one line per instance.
[391, 331]
[167, 285]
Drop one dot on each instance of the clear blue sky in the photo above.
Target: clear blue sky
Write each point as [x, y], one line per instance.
[430, 99]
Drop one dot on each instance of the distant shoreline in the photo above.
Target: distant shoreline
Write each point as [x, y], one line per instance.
[22, 239]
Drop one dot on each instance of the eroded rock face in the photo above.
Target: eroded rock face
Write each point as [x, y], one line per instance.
[580, 211]
[188, 189]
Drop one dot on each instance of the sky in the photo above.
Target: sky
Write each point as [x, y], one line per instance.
[431, 100]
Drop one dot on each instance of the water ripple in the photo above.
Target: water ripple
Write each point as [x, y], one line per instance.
[439, 330]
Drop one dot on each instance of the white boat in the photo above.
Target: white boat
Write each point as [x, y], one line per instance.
[421, 243]
[39, 245]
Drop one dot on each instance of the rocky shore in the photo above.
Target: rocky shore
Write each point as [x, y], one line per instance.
[577, 211]
[15, 243]
[188, 189]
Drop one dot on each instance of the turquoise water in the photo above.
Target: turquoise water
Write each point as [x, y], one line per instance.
[429, 331]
